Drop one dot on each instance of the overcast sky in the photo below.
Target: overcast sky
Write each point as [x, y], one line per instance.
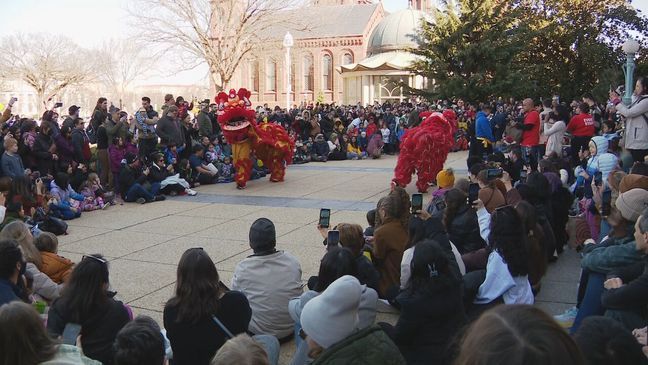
[89, 22]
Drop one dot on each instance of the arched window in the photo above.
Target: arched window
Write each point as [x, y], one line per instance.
[271, 76]
[309, 79]
[327, 72]
[254, 75]
[347, 59]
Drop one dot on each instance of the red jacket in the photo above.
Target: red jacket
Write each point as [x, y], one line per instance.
[581, 125]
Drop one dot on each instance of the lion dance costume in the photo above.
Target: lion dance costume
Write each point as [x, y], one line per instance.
[424, 150]
[268, 142]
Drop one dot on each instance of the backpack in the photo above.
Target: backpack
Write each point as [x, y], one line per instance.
[92, 133]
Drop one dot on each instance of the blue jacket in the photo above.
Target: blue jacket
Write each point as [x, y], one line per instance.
[8, 292]
[483, 128]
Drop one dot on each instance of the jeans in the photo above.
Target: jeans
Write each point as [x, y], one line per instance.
[137, 191]
[301, 349]
[532, 154]
[590, 305]
[271, 346]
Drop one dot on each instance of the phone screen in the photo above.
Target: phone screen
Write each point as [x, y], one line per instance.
[598, 178]
[325, 218]
[606, 203]
[473, 193]
[523, 176]
[417, 202]
[333, 238]
[70, 333]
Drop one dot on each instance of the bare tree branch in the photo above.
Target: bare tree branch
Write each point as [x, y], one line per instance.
[47, 63]
[218, 33]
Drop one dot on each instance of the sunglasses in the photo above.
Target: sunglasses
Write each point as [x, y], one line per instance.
[91, 257]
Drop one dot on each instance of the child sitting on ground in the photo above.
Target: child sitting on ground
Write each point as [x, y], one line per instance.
[91, 189]
[14, 212]
[58, 268]
[226, 171]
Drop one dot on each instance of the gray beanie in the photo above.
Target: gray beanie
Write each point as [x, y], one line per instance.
[262, 235]
[631, 203]
[333, 315]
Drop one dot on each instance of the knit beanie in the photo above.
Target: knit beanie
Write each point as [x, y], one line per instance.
[445, 179]
[263, 236]
[633, 181]
[333, 315]
[631, 203]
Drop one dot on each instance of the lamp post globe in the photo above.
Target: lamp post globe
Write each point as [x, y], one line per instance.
[630, 48]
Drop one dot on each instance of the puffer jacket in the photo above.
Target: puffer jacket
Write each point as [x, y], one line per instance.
[58, 268]
[43, 286]
[636, 126]
[464, 231]
[370, 346]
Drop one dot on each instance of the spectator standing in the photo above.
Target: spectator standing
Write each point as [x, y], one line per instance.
[99, 115]
[581, 126]
[11, 162]
[168, 128]
[205, 128]
[531, 133]
[146, 119]
[73, 114]
[636, 131]
[554, 129]
[44, 151]
[269, 279]
[81, 142]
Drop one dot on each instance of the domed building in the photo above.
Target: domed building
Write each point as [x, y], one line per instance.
[380, 76]
[324, 58]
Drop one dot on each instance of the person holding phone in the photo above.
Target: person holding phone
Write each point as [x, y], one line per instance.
[460, 220]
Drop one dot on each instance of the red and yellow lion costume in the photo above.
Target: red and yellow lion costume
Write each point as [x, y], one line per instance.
[270, 143]
[424, 150]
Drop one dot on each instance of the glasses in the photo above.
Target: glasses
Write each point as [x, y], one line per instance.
[91, 257]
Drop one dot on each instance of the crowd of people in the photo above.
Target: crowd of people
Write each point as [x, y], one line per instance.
[463, 271]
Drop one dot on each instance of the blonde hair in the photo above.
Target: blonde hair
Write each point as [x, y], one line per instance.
[47, 242]
[351, 237]
[18, 231]
[8, 142]
[241, 350]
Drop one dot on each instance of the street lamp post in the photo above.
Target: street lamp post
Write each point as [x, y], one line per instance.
[288, 43]
[630, 48]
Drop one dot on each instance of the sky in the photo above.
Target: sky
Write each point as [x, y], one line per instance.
[90, 22]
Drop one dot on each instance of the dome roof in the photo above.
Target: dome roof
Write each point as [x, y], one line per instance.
[395, 32]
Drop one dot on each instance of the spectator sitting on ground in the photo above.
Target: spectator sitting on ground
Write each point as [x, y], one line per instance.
[24, 340]
[330, 322]
[201, 309]
[506, 276]
[269, 279]
[66, 202]
[390, 239]
[604, 341]
[43, 287]
[86, 301]
[131, 180]
[202, 174]
[431, 306]
[140, 342]
[12, 269]
[58, 268]
[520, 334]
[336, 263]
[243, 350]
[352, 238]
[320, 149]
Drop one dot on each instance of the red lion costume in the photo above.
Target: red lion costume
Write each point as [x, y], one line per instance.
[424, 149]
[268, 142]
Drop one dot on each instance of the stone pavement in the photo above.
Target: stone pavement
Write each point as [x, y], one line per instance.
[143, 243]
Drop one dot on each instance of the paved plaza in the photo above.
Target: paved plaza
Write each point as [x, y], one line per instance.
[144, 242]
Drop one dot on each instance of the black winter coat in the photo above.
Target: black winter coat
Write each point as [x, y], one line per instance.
[464, 231]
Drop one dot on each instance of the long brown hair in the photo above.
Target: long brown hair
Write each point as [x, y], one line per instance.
[518, 334]
[351, 237]
[396, 205]
[23, 339]
[197, 288]
[18, 231]
[455, 200]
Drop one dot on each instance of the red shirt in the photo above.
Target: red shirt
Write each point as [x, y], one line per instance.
[531, 137]
[581, 125]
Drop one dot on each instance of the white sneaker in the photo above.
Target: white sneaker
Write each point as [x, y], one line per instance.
[191, 192]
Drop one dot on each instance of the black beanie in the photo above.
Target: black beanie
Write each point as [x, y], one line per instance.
[262, 235]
